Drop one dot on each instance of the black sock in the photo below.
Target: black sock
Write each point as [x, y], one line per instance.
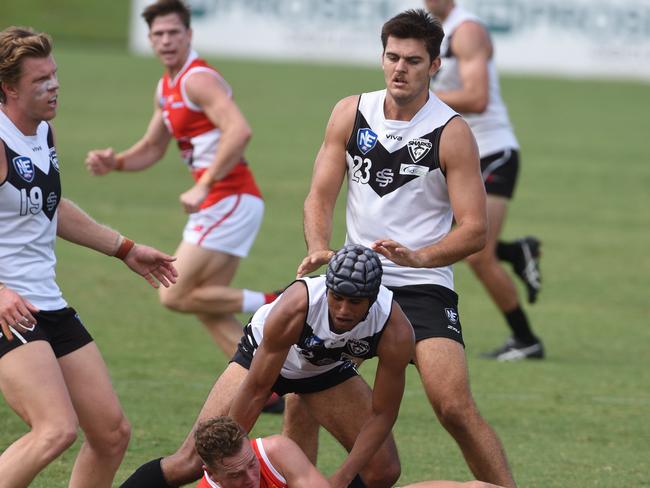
[508, 251]
[149, 475]
[518, 323]
[357, 483]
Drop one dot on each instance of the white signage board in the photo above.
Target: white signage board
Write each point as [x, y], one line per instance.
[608, 38]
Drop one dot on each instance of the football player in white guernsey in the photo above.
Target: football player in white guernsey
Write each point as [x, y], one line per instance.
[412, 169]
[468, 82]
[51, 372]
[306, 342]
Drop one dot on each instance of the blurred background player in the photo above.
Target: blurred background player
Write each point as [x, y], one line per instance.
[51, 372]
[468, 82]
[193, 104]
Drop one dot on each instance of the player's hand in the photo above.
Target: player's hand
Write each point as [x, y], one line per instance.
[193, 198]
[16, 312]
[101, 161]
[313, 261]
[156, 267]
[397, 253]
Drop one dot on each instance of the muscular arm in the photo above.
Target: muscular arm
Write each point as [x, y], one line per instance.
[329, 171]
[147, 151]
[472, 47]
[209, 93]
[75, 225]
[282, 329]
[287, 457]
[396, 349]
[460, 161]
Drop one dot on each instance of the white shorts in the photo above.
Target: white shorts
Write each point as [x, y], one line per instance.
[229, 226]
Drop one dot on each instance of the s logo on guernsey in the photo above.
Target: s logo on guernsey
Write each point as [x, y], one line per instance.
[418, 148]
[366, 140]
[24, 167]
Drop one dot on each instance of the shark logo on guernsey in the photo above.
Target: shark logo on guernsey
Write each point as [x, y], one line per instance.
[358, 347]
[24, 167]
[418, 148]
[54, 160]
[366, 140]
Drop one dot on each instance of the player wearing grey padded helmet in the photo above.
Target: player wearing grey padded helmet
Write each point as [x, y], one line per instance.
[354, 271]
[305, 343]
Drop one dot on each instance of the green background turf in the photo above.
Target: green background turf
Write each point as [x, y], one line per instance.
[577, 419]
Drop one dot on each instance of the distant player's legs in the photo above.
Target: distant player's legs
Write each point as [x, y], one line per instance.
[184, 466]
[33, 386]
[342, 410]
[443, 371]
[106, 429]
[202, 289]
[497, 281]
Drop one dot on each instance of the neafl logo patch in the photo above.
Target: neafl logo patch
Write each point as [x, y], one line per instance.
[24, 167]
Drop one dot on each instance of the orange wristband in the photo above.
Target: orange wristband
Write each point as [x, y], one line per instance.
[126, 245]
[119, 163]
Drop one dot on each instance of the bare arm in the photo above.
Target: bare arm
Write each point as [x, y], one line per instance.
[459, 159]
[206, 91]
[147, 151]
[329, 171]
[75, 225]
[287, 457]
[396, 349]
[472, 47]
[282, 329]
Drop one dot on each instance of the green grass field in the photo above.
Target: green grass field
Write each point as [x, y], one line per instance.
[577, 419]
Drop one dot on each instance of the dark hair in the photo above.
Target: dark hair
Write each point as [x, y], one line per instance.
[165, 7]
[217, 438]
[415, 24]
[16, 44]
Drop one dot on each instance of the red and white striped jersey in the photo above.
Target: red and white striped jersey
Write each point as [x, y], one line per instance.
[197, 137]
[269, 476]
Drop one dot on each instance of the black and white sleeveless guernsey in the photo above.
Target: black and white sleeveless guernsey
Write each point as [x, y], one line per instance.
[396, 188]
[29, 197]
[319, 349]
[491, 128]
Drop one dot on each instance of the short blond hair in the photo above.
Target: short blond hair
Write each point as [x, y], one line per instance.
[16, 44]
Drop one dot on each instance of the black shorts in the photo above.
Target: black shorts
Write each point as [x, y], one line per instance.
[335, 376]
[500, 171]
[61, 328]
[431, 309]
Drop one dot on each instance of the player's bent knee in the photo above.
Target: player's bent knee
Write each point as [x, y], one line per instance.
[457, 415]
[52, 441]
[112, 440]
[171, 299]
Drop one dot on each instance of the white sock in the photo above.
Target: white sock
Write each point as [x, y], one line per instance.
[252, 300]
